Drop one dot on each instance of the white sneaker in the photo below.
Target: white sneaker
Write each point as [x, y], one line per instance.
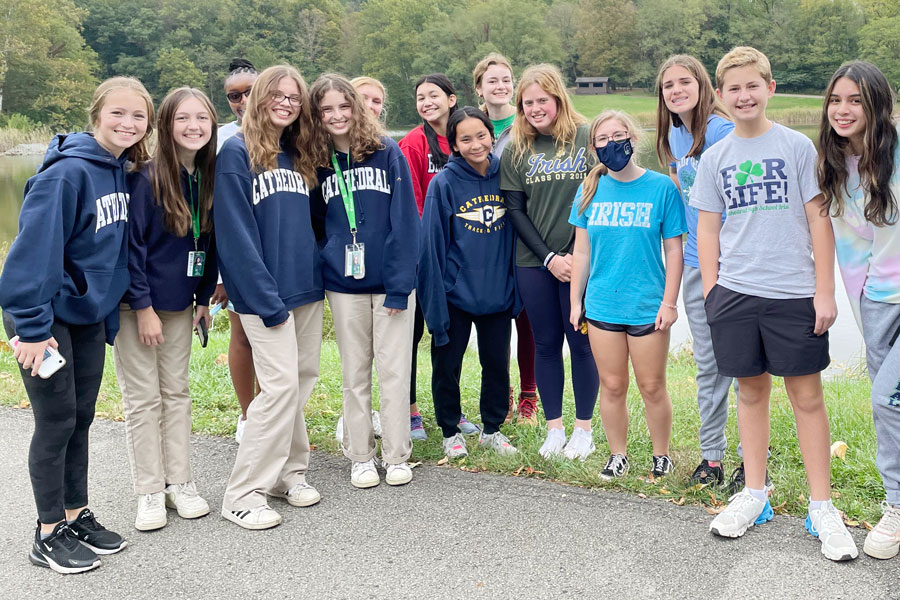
[884, 540]
[302, 494]
[497, 442]
[827, 525]
[184, 498]
[455, 447]
[743, 512]
[239, 429]
[151, 512]
[364, 474]
[261, 517]
[580, 445]
[553, 445]
[398, 474]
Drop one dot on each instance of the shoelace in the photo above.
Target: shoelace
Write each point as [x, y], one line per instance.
[153, 501]
[830, 520]
[890, 519]
[357, 468]
[527, 407]
[616, 463]
[188, 489]
[738, 501]
[659, 463]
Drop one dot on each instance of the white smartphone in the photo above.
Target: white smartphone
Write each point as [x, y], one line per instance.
[53, 360]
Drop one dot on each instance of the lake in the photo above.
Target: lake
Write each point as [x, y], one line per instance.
[847, 348]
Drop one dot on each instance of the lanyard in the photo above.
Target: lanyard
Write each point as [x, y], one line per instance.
[346, 193]
[195, 207]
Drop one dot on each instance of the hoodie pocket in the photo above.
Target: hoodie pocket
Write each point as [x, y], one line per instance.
[479, 292]
[94, 297]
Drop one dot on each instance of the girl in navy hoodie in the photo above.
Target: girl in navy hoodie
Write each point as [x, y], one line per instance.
[61, 284]
[466, 276]
[270, 266]
[170, 230]
[369, 270]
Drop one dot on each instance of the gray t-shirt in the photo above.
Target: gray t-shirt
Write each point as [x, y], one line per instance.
[762, 184]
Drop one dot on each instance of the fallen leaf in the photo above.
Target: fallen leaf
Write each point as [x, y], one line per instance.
[518, 471]
[222, 359]
[697, 487]
[480, 584]
[644, 496]
[24, 404]
[679, 502]
[715, 501]
[848, 521]
[4, 347]
[714, 510]
[312, 446]
[839, 450]
[780, 508]
[443, 461]
[868, 525]
[664, 490]
[652, 479]
[835, 494]
[415, 464]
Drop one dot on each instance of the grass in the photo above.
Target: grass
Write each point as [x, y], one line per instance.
[788, 110]
[11, 137]
[856, 481]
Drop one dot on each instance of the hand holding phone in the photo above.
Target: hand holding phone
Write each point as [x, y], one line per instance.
[52, 360]
[202, 332]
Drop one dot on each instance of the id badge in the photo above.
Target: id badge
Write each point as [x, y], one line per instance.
[355, 260]
[196, 263]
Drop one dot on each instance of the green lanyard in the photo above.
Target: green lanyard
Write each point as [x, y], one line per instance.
[195, 207]
[346, 193]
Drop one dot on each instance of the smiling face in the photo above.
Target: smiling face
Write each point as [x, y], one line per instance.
[496, 86]
[432, 104]
[241, 84]
[283, 113]
[540, 108]
[122, 121]
[192, 125]
[846, 114]
[337, 114]
[373, 98]
[745, 93]
[473, 142]
[680, 90]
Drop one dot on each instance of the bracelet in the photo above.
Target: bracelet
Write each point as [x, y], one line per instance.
[672, 306]
[547, 259]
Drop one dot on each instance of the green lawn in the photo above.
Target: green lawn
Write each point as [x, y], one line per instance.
[784, 109]
[855, 480]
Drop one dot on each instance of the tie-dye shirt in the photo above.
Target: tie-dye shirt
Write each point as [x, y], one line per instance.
[869, 256]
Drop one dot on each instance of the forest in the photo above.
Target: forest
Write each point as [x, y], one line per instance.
[54, 52]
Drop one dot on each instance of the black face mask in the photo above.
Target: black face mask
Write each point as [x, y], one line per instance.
[615, 155]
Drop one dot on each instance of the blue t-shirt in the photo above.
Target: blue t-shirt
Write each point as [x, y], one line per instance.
[680, 142]
[626, 223]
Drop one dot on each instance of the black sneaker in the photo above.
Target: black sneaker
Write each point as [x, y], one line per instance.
[706, 474]
[738, 481]
[616, 466]
[61, 551]
[87, 530]
[662, 466]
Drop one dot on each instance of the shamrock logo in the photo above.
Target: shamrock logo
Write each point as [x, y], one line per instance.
[748, 170]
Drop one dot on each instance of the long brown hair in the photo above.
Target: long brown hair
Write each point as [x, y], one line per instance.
[708, 103]
[589, 185]
[876, 164]
[140, 152]
[263, 143]
[165, 176]
[567, 120]
[365, 131]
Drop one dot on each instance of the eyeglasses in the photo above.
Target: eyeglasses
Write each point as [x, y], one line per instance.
[601, 141]
[236, 96]
[278, 98]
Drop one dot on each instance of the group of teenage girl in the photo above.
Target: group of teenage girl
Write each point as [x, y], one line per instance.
[519, 209]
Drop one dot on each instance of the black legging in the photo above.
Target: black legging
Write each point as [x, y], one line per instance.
[418, 332]
[63, 408]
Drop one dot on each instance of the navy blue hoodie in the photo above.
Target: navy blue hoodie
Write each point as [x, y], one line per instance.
[468, 247]
[268, 256]
[387, 222]
[70, 259]
[157, 258]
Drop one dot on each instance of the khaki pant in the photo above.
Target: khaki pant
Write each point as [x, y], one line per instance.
[156, 400]
[364, 332]
[274, 452]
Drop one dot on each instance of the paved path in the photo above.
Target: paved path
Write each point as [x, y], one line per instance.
[449, 534]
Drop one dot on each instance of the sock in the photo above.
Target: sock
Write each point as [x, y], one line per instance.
[758, 494]
[817, 504]
[714, 463]
[44, 536]
[71, 521]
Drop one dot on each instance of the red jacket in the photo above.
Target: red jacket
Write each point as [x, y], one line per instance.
[415, 148]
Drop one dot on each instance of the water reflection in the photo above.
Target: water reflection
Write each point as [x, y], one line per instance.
[14, 172]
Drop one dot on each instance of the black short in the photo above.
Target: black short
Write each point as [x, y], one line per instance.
[753, 335]
[632, 330]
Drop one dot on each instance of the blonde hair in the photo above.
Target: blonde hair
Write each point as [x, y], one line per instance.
[742, 56]
[358, 82]
[494, 58]
[263, 144]
[140, 152]
[365, 131]
[565, 126]
[589, 186]
[708, 103]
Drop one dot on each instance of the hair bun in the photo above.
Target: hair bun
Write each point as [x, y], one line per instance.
[240, 63]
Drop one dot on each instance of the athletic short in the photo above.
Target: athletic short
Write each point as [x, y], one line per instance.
[632, 330]
[753, 335]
